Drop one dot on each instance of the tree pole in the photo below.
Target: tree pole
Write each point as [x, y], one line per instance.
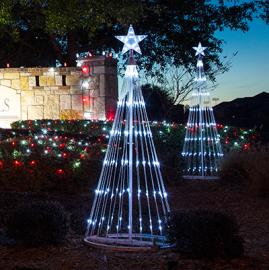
[130, 174]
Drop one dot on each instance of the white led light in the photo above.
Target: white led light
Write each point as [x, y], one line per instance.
[85, 84]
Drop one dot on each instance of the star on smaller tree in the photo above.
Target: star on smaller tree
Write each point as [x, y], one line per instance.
[199, 50]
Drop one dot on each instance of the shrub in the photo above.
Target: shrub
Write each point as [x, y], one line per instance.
[172, 167]
[249, 170]
[50, 175]
[38, 223]
[205, 234]
[235, 169]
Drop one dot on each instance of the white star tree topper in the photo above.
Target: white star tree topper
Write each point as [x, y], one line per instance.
[131, 40]
[199, 50]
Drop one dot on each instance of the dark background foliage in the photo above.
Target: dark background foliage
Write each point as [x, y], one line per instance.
[41, 31]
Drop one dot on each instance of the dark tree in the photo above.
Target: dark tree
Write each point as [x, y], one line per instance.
[37, 32]
[160, 105]
[264, 8]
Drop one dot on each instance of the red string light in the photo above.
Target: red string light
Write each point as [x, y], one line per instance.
[32, 163]
[246, 146]
[85, 70]
[59, 172]
[17, 163]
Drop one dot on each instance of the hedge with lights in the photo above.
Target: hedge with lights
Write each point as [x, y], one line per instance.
[57, 154]
[232, 138]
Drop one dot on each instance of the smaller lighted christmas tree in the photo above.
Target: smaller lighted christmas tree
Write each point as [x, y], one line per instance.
[202, 149]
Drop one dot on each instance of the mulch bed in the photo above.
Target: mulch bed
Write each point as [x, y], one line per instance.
[251, 212]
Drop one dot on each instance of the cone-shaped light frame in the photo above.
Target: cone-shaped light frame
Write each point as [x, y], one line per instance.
[130, 206]
[202, 149]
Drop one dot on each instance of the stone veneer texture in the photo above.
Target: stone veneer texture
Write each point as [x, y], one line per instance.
[56, 93]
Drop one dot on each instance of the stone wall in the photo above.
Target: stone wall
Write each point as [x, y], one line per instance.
[56, 93]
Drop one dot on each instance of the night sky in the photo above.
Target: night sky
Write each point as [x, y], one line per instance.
[249, 74]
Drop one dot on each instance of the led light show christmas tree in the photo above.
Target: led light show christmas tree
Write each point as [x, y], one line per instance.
[130, 207]
[202, 149]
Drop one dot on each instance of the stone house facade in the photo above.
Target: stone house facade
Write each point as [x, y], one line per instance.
[58, 93]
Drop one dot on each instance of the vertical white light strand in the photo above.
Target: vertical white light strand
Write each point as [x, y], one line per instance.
[161, 193]
[144, 164]
[211, 143]
[157, 167]
[130, 164]
[95, 208]
[115, 187]
[137, 164]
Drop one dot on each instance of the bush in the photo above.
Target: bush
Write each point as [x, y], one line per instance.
[247, 169]
[38, 224]
[235, 169]
[45, 176]
[205, 234]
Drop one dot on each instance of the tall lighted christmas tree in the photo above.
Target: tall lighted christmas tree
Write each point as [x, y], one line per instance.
[130, 206]
[202, 149]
